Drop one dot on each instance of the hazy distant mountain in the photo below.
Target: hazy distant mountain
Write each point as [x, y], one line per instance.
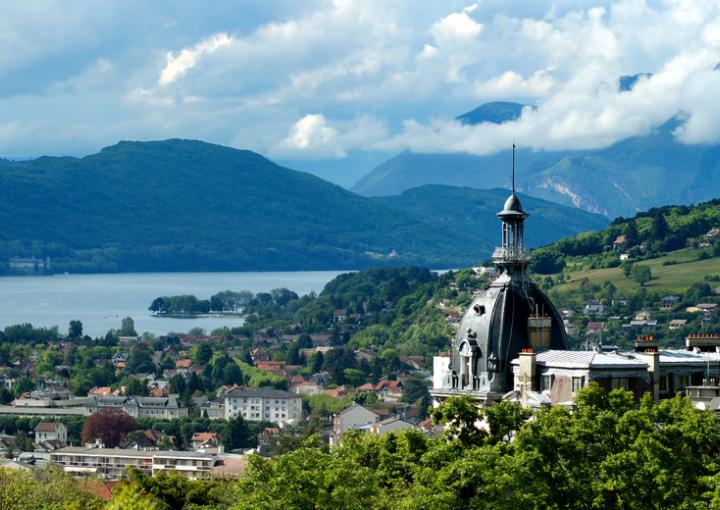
[473, 212]
[629, 176]
[181, 205]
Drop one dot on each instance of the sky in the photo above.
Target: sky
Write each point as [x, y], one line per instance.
[338, 86]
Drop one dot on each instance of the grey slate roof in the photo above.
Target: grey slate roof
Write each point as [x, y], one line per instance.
[585, 359]
[261, 393]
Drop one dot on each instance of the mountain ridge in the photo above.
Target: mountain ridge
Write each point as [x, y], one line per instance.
[619, 180]
[187, 205]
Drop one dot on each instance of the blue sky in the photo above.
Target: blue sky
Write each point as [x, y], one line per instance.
[338, 86]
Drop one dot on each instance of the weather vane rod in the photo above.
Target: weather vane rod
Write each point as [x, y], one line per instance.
[513, 169]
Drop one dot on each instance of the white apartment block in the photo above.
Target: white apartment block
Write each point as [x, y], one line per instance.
[264, 404]
[113, 462]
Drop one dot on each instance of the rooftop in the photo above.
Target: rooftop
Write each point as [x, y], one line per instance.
[120, 452]
[261, 392]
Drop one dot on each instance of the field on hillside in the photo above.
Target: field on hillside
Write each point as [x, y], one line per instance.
[676, 277]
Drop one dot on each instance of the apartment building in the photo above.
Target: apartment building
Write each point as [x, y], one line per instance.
[263, 404]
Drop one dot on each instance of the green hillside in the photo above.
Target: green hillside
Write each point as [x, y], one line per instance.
[181, 205]
[670, 241]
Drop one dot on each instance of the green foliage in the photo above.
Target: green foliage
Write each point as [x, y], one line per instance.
[127, 328]
[43, 489]
[641, 274]
[235, 434]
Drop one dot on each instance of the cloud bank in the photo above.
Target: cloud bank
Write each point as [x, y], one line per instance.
[325, 79]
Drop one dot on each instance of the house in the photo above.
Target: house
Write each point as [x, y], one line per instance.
[102, 391]
[206, 442]
[595, 327]
[338, 392]
[29, 265]
[212, 409]
[558, 374]
[624, 257]
[306, 388]
[389, 391]
[669, 302]
[340, 315]
[354, 417]
[184, 363]
[712, 233]
[275, 367]
[593, 308]
[620, 243]
[676, 324]
[51, 431]
[263, 404]
[389, 425]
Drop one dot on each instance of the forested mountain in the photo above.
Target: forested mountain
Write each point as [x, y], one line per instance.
[626, 177]
[181, 205]
[467, 211]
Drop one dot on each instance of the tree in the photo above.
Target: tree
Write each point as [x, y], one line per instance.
[413, 390]
[641, 274]
[235, 434]
[135, 386]
[203, 353]
[632, 237]
[660, 228]
[460, 416]
[140, 359]
[128, 327]
[627, 269]
[158, 305]
[75, 330]
[108, 425]
[6, 396]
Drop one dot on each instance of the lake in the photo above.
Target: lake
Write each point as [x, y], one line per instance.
[100, 301]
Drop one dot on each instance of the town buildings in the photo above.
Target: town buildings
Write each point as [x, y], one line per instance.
[512, 344]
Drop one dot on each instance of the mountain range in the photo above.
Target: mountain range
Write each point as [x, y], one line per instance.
[632, 175]
[183, 205]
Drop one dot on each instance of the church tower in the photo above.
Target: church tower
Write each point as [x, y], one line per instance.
[511, 315]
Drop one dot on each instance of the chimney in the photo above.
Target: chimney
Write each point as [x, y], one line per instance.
[526, 375]
[652, 358]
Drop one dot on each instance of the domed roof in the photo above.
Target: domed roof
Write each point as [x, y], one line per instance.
[495, 328]
[512, 206]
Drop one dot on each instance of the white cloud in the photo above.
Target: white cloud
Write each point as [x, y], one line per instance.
[178, 65]
[311, 133]
[313, 136]
[512, 84]
[456, 26]
[374, 74]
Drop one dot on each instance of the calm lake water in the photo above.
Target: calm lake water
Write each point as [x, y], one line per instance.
[100, 301]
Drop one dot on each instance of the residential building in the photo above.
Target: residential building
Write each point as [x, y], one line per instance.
[213, 409]
[669, 302]
[353, 417]
[389, 425]
[263, 404]
[206, 442]
[51, 431]
[113, 462]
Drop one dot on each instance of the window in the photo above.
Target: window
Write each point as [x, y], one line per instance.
[577, 383]
[682, 382]
[663, 383]
[547, 381]
[620, 383]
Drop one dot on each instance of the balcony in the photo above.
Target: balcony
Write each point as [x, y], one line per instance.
[502, 255]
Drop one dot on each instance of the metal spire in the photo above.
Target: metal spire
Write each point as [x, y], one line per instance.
[513, 169]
